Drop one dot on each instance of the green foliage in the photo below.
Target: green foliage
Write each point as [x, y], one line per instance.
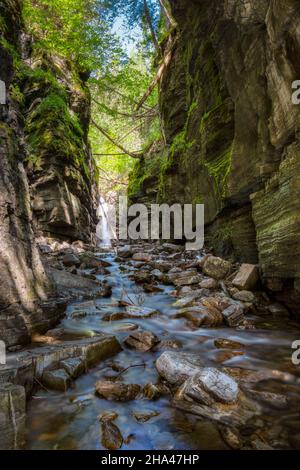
[74, 29]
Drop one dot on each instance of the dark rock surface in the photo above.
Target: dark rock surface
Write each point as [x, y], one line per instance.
[232, 131]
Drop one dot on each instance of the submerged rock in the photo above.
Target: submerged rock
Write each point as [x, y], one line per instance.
[117, 391]
[112, 438]
[144, 416]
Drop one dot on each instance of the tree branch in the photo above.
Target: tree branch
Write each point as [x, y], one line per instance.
[152, 31]
[166, 61]
[113, 141]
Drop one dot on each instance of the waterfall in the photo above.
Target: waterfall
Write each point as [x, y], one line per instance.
[104, 230]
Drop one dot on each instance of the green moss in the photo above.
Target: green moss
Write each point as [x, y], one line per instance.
[219, 169]
[3, 27]
[16, 94]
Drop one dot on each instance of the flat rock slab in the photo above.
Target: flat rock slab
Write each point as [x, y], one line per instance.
[140, 312]
[22, 368]
[176, 367]
[218, 386]
[12, 416]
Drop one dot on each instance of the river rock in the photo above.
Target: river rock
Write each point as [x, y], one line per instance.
[112, 438]
[247, 277]
[234, 315]
[71, 260]
[108, 416]
[185, 278]
[133, 311]
[209, 283]
[151, 391]
[144, 416]
[216, 268]
[142, 340]
[201, 315]
[125, 251]
[57, 379]
[222, 343]
[143, 257]
[117, 391]
[176, 367]
[209, 385]
[75, 366]
[244, 296]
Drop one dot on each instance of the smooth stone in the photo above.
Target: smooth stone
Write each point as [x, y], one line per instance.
[222, 343]
[176, 367]
[244, 296]
[71, 260]
[142, 340]
[133, 311]
[117, 391]
[112, 438]
[210, 381]
[144, 416]
[215, 267]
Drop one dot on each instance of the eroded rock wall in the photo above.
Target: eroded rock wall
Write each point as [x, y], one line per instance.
[232, 131]
[24, 284]
[45, 165]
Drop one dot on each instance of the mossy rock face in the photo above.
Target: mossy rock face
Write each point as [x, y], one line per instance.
[59, 162]
[229, 124]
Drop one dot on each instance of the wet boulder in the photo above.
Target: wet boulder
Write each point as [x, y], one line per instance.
[217, 268]
[70, 260]
[57, 379]
[145, 415]
[201, 315]
[211, 385]
[244, 296]
[117, 391]
[143, 257]
[176, 367]
[234, 315]
[247, 277]
[75, 366]
[133, 311]
[111, 438]
[142, 340]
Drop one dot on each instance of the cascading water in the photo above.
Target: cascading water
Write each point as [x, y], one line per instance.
[104, 231]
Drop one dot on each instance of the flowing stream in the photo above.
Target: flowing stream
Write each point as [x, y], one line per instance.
[69, 420]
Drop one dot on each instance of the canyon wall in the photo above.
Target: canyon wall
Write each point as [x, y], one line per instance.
[231, 132]
[45, 165]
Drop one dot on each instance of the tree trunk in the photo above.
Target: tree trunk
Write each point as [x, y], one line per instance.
[150, 24]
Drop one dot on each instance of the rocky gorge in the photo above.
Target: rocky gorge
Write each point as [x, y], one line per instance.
[144, 345]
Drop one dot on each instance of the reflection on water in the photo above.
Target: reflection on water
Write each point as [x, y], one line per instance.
[69, 421]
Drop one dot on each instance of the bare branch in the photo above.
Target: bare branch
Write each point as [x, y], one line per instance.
[113, 141]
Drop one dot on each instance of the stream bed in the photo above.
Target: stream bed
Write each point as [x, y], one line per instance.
[70, 420]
